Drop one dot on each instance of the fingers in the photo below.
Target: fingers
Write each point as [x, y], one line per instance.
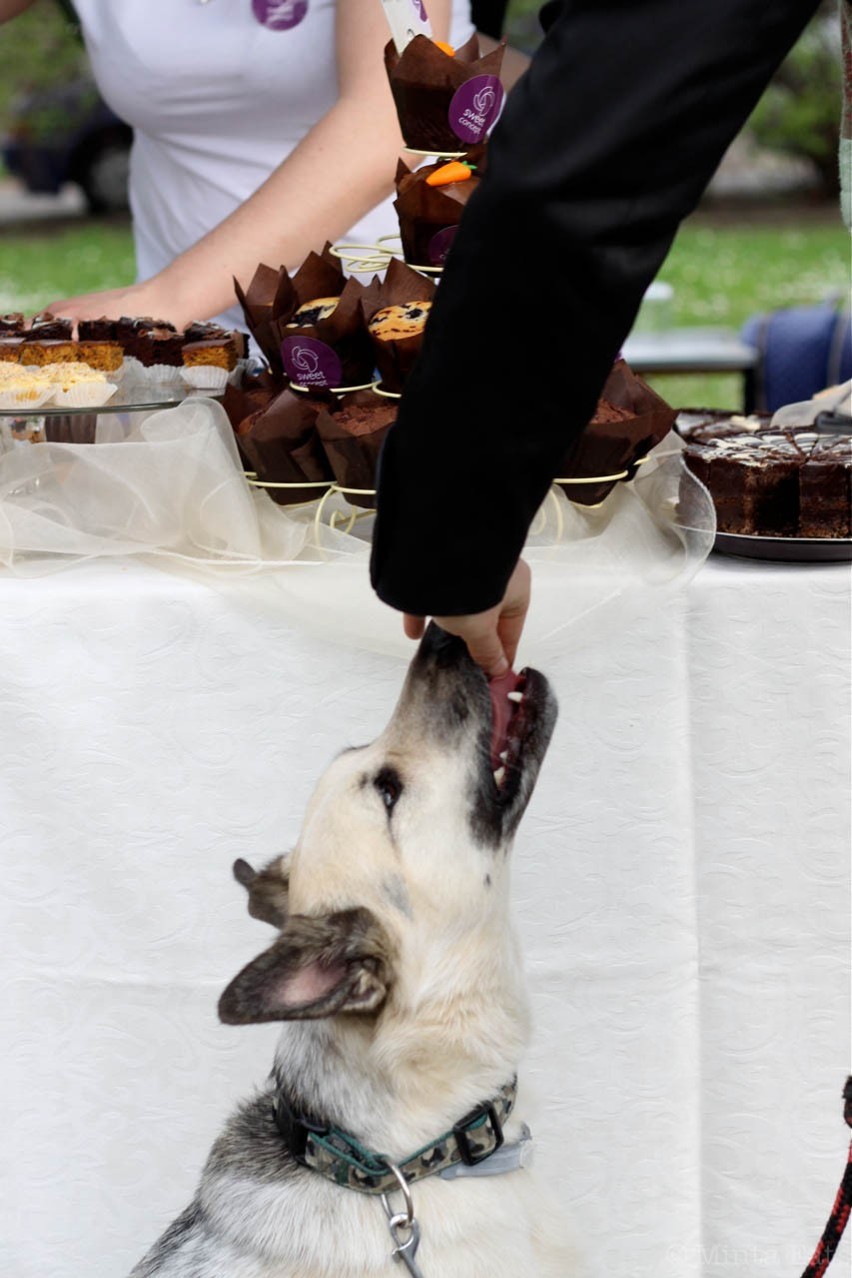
[414, 627]
[487, 651]
[513, 613]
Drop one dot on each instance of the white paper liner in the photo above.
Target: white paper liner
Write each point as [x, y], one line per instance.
[83, 395]
[162, 374]
[132, 369]
[27, 401]
[205, 377]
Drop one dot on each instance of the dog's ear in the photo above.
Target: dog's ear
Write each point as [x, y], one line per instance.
[267, 889]
[318, 967]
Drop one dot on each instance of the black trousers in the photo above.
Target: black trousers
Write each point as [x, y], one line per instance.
[605, 145]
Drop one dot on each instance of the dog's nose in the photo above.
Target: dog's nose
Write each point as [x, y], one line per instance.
[442, 650]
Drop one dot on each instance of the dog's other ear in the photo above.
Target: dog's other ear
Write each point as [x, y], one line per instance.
[318, 967]
[267, 889]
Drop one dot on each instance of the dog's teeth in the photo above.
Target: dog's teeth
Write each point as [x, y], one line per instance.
[515, 696]
[499, 775]
[504, 756]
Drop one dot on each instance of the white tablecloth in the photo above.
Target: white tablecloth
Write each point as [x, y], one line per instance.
[682, 882]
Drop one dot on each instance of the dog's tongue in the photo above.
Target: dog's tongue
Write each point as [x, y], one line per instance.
[502, 709]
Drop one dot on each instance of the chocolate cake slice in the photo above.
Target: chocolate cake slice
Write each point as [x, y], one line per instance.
[825, 489]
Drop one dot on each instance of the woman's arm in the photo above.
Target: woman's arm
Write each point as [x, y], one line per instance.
[336, 174]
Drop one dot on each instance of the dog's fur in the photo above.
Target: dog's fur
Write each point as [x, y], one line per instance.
[398, 970]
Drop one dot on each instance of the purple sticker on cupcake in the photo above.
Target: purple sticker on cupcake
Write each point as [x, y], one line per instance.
[440, 245]
[475, 107]
[279, 15]
[308, 362]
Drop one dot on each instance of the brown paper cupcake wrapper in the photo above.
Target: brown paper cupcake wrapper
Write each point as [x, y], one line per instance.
[354, 457]
[424, 210]
[282, 446]
[610, 448]
[423, 82]
[395, 359]
[345, 332]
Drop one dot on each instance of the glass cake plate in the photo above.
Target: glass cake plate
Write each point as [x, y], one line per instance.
[801, 550]
[129, 397]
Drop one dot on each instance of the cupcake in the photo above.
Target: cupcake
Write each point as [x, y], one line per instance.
[397, 315]
[326, 345]
[281, 445]
[352, 433]
[429, 206]
[629, 421]
[446, 101]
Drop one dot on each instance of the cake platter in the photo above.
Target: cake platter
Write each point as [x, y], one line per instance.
[811, 550]
[131, 396]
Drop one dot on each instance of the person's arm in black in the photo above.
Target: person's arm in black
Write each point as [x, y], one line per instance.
[606, 144]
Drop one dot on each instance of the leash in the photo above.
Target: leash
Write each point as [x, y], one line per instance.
[840, 1212]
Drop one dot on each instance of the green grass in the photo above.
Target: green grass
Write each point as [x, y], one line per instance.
[721, 274]
[37, 267]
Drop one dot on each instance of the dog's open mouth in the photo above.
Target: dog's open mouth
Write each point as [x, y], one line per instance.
[516, 704]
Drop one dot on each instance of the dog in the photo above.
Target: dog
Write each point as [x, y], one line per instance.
[397, 970]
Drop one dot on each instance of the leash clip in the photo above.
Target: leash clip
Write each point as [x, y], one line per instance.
[402, 1223]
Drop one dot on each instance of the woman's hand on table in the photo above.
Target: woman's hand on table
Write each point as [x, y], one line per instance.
[492, 637]
[148, 298]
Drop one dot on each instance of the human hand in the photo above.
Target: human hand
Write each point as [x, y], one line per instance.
[147, 298]
[492, 637]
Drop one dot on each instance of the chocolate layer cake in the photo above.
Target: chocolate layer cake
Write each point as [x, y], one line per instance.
[770, 483]
[13, 323]
[47, 327]
[97, 330]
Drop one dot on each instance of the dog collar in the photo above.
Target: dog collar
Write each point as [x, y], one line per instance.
[342, 1159]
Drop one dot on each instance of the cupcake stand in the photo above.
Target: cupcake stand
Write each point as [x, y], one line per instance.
[681, 879]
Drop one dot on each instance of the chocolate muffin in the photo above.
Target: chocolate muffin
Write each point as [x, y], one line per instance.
[352, 435]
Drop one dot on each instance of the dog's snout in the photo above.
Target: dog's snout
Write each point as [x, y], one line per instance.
[442, 650]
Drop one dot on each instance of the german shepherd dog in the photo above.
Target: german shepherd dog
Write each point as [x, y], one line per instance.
[398, 973]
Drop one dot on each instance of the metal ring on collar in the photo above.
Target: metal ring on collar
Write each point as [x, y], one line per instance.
[405, 1189]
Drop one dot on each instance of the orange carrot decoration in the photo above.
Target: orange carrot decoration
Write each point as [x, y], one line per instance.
[455, 171]
[445, 48]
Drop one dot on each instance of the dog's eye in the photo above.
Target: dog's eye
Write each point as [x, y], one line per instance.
[389, 786]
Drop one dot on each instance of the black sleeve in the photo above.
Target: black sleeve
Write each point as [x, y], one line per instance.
[606, 144]
[489, 16]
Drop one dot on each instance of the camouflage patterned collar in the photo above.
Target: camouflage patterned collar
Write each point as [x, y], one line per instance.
[342, 1159]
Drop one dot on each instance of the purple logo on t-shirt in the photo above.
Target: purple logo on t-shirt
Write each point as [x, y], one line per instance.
[440, 244]
[308, 362]
[420, 9]
[279, 15]
[475, 107]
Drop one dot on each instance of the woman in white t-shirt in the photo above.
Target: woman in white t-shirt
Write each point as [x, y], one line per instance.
[262, 128]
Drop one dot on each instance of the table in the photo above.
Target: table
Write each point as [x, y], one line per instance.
[695, 350]
[682, 881]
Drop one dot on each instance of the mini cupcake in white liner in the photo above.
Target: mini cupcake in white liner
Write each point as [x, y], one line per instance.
[28, 400]
[84, 394]
[205, 377]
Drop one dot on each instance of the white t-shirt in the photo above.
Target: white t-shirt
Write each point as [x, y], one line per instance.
[218, 94]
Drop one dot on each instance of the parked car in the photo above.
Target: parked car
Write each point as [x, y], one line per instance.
[68, 134]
